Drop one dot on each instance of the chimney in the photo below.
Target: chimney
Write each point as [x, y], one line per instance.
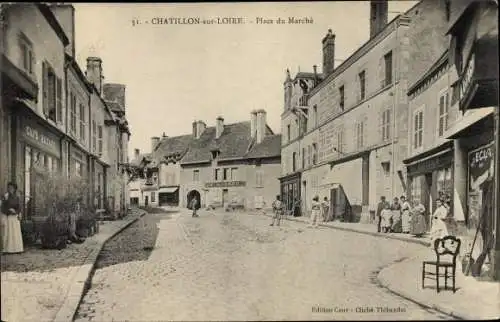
[115, 93]
[65, 15]
[253, 124]
[195, 129]
[94, 72]
[136, 154]
[219, 126]
[164, 135]
[261, 125]
[154, 142]
[379, 11]
[328, 53]
[201, 126]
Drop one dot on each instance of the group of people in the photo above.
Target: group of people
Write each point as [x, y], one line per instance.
[320, 211]
[402, 217]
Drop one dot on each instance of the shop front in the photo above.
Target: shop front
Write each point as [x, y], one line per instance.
[38, 154]
[168, 196]
[223, 193]
[79, 167]
[430, 176]
[290, 189]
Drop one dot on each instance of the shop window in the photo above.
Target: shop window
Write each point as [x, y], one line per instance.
[416, 188]
[444, 182]
[196, 175]
[234, 174]
[386, 125]
[418, 128]
[27, 54]
[443, 112]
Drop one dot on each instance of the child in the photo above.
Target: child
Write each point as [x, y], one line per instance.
[386, 216]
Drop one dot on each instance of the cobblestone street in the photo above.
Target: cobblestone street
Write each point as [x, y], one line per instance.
[233, 266]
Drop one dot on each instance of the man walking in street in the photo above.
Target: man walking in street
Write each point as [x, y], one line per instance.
[325, 207]
[277, 210]
[194, 206]
[380, 207]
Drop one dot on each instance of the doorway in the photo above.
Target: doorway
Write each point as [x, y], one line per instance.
[146, 200]
[225, 197]
[192, 194]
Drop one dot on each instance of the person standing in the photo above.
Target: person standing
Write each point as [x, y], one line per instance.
[417, 222]
[325, 207]
[438, 228]
[277, 211]
[12, 238]
[380, 207]
[386, 216]
[406, 215]
[396, 216]
[194, 207]
[296, 207]
[315, 212]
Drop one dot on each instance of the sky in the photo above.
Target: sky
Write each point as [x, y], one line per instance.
[177, 73]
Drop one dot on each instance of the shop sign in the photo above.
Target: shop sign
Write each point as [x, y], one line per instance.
[481, 167]
[41, 139]
[431, 165]
[467, 77]
[225, 184]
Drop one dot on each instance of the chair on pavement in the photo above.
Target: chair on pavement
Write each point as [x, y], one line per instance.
[446, 246]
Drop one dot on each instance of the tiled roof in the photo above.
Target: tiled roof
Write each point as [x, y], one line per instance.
[114, 106]
[308, 75]
[171, 146]
[137, 162]
[269, 147]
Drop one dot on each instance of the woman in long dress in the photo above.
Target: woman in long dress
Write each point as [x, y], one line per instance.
[315, 212]
[396, 216]
[438, 228]
[12, 238]
[417, 222]
[406, 215]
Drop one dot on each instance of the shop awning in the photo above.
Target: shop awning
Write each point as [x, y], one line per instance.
[168, 190]
[470, 118]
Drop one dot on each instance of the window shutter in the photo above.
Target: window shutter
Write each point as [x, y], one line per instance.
[45, 89]
[381, 71]
[100, 139]
[58, 100]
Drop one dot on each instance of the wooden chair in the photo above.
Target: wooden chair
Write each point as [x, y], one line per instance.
[446, 246]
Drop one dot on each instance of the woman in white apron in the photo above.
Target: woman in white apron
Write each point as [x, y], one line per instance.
[406, 216]
[438, 228]
[12, 238]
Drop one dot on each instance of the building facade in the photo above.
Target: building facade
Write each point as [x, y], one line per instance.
[225, 164]
[47, 108]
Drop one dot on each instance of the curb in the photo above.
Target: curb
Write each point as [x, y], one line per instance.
[437, 307]
[401, 238]
[83, 278]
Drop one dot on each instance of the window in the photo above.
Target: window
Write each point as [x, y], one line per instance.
[288, 132]
[234, 174]
[153, 196]
[303, 158]
[94, 136]
[315, 153]
[342, 97]
[294, 162]
[360, 131]
[27, 56]
[309, 155]
[82, 123]
[225, 174]
[49, 88]
[388, 68]
[416, 188]
[315, 113]
[386, 124]
[99, 139]
[418, 129]
[259, 176]
[72, 113]
[444, 181]
[216, 174]
[386, 167]
[340, 141]
[155, 178]
[362, 85]
[196, 175]
[444, 105]
[78, 169]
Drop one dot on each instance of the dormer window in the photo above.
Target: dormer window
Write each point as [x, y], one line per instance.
[215, 154]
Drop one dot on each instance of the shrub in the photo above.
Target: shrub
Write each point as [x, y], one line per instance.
[55, 198]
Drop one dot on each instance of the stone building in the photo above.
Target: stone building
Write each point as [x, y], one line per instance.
[355, 136]
[235, 163]
[52, 115]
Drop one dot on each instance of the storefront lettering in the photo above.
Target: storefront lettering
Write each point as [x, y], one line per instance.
[225, 184]
[431, 164]
[467, 77]
[481, 156]
[39, 137]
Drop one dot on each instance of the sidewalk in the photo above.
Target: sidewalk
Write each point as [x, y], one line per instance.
[473, 299]
[46, 285]
[364, 228]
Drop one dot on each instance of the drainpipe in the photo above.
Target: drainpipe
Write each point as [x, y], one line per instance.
[397, 57]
